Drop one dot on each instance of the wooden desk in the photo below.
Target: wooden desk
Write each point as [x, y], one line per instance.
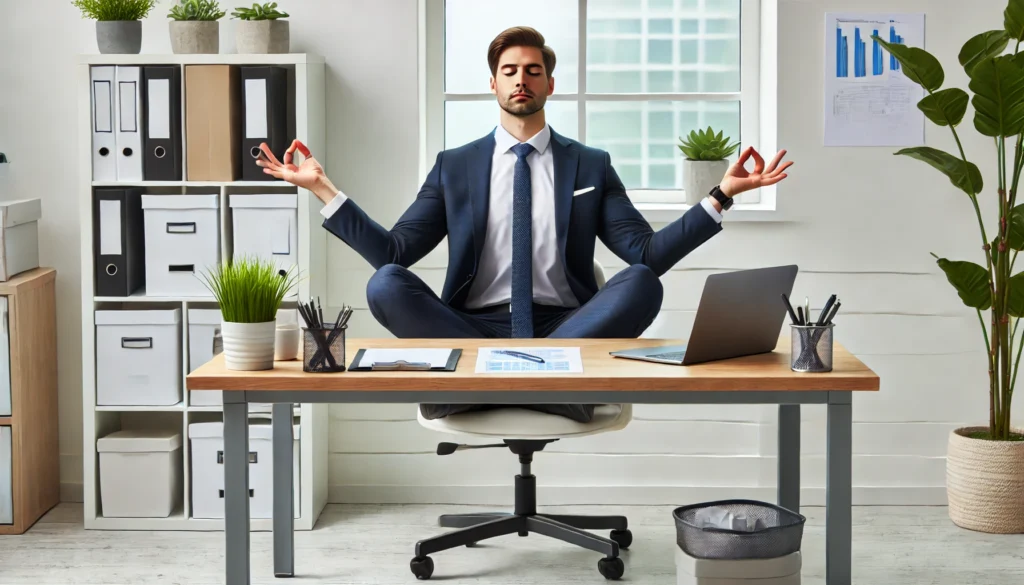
[758, 379]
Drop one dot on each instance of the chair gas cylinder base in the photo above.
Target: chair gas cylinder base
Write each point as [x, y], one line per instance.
[525, 432]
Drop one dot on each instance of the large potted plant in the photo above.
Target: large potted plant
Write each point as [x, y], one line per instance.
[984, 463]
[249, 291]
[261, 29]
[705, 162]
[194, 27]
[118, 23]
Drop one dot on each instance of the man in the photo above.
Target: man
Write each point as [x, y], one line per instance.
[522, 209]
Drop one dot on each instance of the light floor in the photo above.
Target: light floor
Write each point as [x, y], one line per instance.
[373, 545]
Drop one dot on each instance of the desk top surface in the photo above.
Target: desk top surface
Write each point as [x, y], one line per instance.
[768, 371]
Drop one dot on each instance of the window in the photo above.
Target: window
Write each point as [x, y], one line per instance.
[632, 77]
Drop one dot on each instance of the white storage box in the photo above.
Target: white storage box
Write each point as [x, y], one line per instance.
[138, 358]
[777, 571]
[204, 342]
[140, 473]
[19, 246]
[207, 441]
[182, 243]
[266, 226]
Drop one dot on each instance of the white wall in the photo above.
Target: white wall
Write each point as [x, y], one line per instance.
[861, 224]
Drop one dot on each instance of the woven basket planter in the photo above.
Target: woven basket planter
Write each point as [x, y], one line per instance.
[985, 483]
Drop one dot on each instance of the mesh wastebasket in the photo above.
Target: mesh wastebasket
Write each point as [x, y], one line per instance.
[780, 535]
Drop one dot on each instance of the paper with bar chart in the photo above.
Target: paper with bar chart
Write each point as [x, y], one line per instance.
[868, 99]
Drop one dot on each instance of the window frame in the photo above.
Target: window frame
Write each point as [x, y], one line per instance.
[756, 96]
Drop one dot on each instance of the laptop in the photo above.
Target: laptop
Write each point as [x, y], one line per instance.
[740, 313]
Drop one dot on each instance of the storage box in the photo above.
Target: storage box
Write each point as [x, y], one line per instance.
[266, 226]
[19, 246]
[204, 342]
[783, 570]
[207, 440]
[182, 243]
[138, 358]
[140, 473]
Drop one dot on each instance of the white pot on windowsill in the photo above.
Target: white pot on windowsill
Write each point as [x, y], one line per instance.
[700, 177]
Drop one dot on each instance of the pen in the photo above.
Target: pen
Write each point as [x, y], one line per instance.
[789, 308]
[520, 354]
[800, 315]
[835, 309]
[807, 311]
[825, 309]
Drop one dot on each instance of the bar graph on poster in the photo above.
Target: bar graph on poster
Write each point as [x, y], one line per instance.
[868, 99]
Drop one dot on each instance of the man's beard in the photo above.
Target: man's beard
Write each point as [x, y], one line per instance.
[522, 109]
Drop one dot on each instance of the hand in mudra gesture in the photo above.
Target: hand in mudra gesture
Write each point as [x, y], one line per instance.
[308, 175]
[738, 179]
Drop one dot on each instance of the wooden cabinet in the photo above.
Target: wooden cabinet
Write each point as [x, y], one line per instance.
[29, 455]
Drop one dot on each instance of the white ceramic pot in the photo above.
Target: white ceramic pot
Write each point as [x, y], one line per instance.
[985, 483]
[286, 343]
[255, 37]
[195, 36]
[248, 346]
[700, 176]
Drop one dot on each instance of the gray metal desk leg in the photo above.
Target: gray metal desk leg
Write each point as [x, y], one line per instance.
[839, 490]
[236, 488]
[789, 457]
[284, 502]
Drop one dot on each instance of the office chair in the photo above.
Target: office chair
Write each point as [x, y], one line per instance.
[525, 432]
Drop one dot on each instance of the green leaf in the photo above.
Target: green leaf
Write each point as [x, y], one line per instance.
[1015, 228]
[945, 107]
[1015, 298]
[919, 65]
[982, 46]
[1013, 19]
[998, 86]
[970, 281]
[965, 177]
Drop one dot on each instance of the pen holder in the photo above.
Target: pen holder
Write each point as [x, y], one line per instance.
[323, 350]
[811, 349]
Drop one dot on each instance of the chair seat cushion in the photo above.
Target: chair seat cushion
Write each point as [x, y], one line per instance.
[522, 423]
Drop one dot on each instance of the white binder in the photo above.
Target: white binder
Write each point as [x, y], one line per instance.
[104, 145]
[5, 359]
[6, 477]
[129, 123]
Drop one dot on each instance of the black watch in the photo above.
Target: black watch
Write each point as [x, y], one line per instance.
[722, 198]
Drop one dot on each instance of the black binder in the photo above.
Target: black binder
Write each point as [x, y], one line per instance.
[119, 243]
[453, 361]
[161, 123]
[264, 116]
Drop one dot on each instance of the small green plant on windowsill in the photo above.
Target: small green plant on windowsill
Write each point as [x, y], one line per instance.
[706, 145]
[704, 163]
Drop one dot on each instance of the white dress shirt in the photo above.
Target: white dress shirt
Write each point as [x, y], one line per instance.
[493, 282]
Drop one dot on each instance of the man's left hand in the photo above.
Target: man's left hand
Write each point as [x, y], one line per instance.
[738, 179]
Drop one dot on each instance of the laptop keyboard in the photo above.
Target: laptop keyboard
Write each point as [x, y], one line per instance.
[672, 355]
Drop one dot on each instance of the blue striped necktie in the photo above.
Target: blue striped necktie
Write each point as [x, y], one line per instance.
[522, 245]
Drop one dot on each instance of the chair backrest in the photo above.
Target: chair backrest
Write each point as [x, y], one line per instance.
[599, 274]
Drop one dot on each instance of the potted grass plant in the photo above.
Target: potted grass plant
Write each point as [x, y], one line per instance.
[250, 291]
[118, 23]
[194, 26]
[705, 162]
[985, 462]
[261, 29]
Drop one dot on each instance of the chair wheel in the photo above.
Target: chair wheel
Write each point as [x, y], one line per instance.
[623, 537]
[611, 568]
[470, 544]
[422, 567]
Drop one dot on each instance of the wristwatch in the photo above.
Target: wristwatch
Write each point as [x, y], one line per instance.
[722, 198]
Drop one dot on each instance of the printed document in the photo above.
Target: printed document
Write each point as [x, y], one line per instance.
[565, 360]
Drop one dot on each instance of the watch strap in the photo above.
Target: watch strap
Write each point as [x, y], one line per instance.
[721, 197]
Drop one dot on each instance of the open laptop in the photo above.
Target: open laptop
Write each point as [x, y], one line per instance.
[740, 313]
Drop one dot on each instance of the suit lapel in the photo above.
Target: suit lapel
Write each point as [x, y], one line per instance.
[478, 172]
[566, 159]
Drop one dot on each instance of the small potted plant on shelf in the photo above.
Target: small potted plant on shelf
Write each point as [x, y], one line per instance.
[249, 291]
[118, 23]
[194, 27]
[705, 162]
[261, 29]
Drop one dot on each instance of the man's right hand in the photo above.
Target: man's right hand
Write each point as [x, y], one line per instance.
[309, 175]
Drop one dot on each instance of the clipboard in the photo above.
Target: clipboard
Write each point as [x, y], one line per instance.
[402, 365]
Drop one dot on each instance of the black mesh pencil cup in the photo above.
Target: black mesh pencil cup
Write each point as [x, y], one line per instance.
[781, 535]
[323, 349]
[811, 349]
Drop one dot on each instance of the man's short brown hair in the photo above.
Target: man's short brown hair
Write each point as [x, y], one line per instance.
[520, 36]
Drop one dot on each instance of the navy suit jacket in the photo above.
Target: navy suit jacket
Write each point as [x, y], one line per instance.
[453, 202]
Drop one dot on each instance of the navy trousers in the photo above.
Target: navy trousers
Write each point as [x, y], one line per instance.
[408, 308]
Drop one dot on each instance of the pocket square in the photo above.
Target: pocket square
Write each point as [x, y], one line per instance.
[582, 191]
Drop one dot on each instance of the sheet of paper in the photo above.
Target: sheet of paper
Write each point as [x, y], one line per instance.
[437, 358]
[868, 99]
[556, 360]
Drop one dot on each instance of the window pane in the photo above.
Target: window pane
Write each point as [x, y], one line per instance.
[660, 26]
[689, 26]
[614, 82]
[660, 4]
[660, 81]
[471, 25]
[466, 121]
[643, 137]
[717, 26]
[659, 51]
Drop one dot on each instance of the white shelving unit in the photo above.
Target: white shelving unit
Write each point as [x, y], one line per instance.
[308, 77]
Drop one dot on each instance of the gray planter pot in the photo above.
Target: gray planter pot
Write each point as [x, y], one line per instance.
[262, 36]
[119, 36]
[700, 176]
[195, 36]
